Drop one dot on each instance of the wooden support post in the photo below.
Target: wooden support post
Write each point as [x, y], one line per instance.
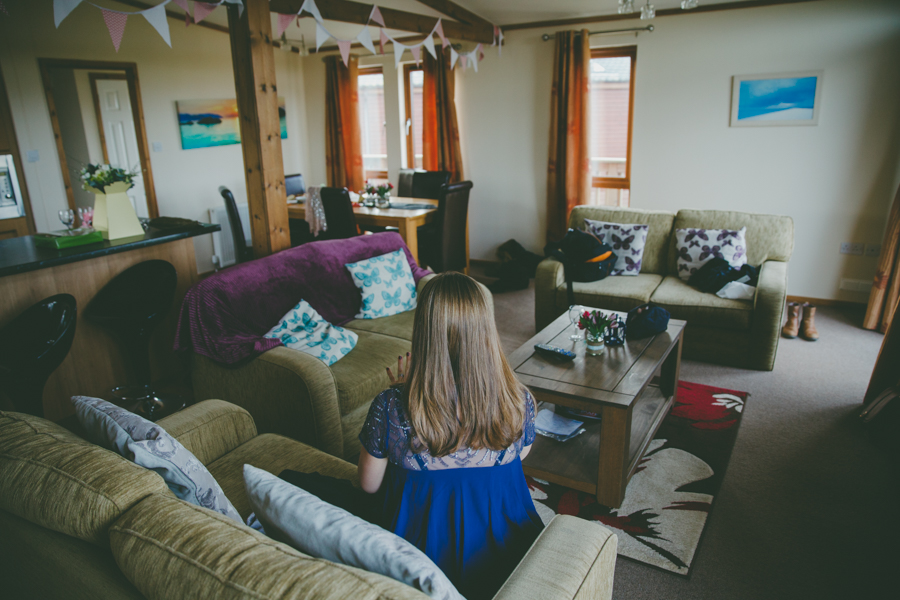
[257, 101]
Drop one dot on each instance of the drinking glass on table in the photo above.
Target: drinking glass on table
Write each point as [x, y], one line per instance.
[575, 312]
[67, 217]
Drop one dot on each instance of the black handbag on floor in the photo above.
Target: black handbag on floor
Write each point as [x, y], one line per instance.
[584, 258]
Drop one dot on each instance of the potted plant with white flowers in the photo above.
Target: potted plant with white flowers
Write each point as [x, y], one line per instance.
[114, 215]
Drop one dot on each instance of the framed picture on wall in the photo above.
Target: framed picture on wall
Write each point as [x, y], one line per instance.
[776, 99]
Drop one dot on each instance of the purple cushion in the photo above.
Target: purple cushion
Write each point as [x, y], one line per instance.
[225, 316]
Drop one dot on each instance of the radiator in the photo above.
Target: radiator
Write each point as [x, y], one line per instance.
[223, 243]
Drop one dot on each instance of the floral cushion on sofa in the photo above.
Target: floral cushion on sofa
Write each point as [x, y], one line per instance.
[386, 284]
[695, 247]
[627, 241]
[303, 329]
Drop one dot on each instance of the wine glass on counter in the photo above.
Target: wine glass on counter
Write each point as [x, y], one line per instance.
[67, 217]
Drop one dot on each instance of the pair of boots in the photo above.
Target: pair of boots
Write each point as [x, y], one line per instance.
[803, 325]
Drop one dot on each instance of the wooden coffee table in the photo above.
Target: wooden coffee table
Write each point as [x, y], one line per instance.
[632, 387]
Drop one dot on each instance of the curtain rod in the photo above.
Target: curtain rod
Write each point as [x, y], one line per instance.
[547, 37]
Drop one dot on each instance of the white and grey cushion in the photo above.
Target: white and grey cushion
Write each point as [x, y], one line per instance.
[386, 283]
[148, 445]
[303, 329]
[695, 247]
[303, 521]
[627, 241]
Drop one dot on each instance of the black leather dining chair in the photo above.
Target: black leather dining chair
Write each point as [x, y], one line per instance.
[442, 243]
[339, 215]
[427, 184]
[405, 183]
[242, 252]
[294, 185]
[32, 346]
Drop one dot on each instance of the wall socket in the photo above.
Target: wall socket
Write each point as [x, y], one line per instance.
[873, 250]
[853, 248]
[856, 285]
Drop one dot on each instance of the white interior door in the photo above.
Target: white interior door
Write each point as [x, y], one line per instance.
[121, 140]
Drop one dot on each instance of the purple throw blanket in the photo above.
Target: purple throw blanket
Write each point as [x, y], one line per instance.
[225, 316]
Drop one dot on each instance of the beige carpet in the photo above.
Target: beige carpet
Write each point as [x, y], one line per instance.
[808, 507]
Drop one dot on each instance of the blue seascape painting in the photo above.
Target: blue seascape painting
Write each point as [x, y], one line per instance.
[206, 123]
[782, 99]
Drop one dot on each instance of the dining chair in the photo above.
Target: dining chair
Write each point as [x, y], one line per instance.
[339, 217]
[294, 185]
[427, 184]
[442, 244]
[405, 183]
[242, 252]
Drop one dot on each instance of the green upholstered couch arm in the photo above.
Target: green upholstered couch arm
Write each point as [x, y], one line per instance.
[550, 275]
[771, 293]
[287, 392]
[572, 559]
[210, 429]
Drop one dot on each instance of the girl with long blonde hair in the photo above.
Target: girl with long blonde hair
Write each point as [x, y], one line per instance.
[445, 446]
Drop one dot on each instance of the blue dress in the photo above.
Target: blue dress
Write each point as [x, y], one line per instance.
[470, 511]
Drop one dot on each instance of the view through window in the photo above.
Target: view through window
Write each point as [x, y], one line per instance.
[414, 79]
[372, 124]
[612, 101]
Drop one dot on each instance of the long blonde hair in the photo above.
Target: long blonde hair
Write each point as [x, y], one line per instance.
[460, 391]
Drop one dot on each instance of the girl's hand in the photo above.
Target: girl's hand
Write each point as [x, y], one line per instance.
[402, 372]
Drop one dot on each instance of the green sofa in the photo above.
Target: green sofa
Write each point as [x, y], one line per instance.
[79, 521]
[731, 332]
[297, 395]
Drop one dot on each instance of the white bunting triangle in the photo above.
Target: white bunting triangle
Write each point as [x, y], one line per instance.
[156, 16]
[310, 7]
[62, 8]
[429, 45]
[322, 35]
[453, 57]
[474, 61]
[398, 53]
[365, 38]
[439, 28]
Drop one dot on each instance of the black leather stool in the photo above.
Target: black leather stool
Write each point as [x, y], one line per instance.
[130, 306]
[32, 346]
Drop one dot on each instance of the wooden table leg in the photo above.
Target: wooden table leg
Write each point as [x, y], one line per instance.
[670, 371]
[615, 436]
[409, 230]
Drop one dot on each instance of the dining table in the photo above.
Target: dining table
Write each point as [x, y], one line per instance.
[407, 221]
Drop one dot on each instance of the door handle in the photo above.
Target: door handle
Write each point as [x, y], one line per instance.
[408, 125]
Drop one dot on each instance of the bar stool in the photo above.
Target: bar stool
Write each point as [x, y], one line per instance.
[130, 306]
[32, 346]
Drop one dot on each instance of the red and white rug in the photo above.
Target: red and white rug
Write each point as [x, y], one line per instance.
[669, 498]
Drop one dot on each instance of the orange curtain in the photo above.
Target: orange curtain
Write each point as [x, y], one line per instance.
[440, 131]
[886, 289]
[343, 149]
[568, 169]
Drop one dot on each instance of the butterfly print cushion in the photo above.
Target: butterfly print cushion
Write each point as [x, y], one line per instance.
[695, 247]
[386, 284]
[627, 241]
[305, 330]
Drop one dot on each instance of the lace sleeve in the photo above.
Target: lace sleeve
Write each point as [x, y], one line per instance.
[529, 419]
[374, 433]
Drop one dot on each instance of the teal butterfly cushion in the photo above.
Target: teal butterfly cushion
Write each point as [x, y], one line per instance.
[386, 284]
[303, 329]
[147, 444]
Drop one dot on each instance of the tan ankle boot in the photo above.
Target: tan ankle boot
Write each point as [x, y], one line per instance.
[792, 325]
[808, 329]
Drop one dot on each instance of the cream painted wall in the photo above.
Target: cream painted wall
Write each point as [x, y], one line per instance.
[198, 66]
[836, 180]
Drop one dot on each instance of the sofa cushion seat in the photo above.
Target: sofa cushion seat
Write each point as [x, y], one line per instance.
[273, 453]
[612, 293]
[361, 375]
[701, 309]
[399, 325]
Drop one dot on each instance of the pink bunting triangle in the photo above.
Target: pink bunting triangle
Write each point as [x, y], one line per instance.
[283, 22]
[382, 40]
[479, 51]
[115, 22]
[463, 60]
[188, 21]
[183, 4]
[416, 52]
[376, 16]
[344, 47]
[439, 28]
[202, 10]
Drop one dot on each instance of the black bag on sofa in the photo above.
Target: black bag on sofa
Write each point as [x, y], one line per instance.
[584, 258]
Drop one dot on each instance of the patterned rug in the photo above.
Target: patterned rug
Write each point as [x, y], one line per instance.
[669, 498]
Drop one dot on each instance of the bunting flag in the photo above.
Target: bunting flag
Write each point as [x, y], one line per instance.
[474, 59]
[398, 53]
[283, 22]
[62, 8]
[322, 35]
[156, 16]
[429, 45]
[500, 42]
[310, 7]
[439, 28]
[115, 22]
[183, 4]
[375, 15]
[188, 21]
[463, 61]
[496, 33]
[479, 52]
[382, 40]
[454, 56]
[416, 52]
[202, 10]
[365, 38]
[344, 47]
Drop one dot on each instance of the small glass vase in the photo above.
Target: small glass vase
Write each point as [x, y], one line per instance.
[369, 201]
[594, 343]
[383, 201]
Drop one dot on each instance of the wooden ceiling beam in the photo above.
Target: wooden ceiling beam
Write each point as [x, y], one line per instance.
[348, 11]
[455, 11]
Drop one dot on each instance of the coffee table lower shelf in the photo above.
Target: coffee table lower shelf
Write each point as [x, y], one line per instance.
[597, 461]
